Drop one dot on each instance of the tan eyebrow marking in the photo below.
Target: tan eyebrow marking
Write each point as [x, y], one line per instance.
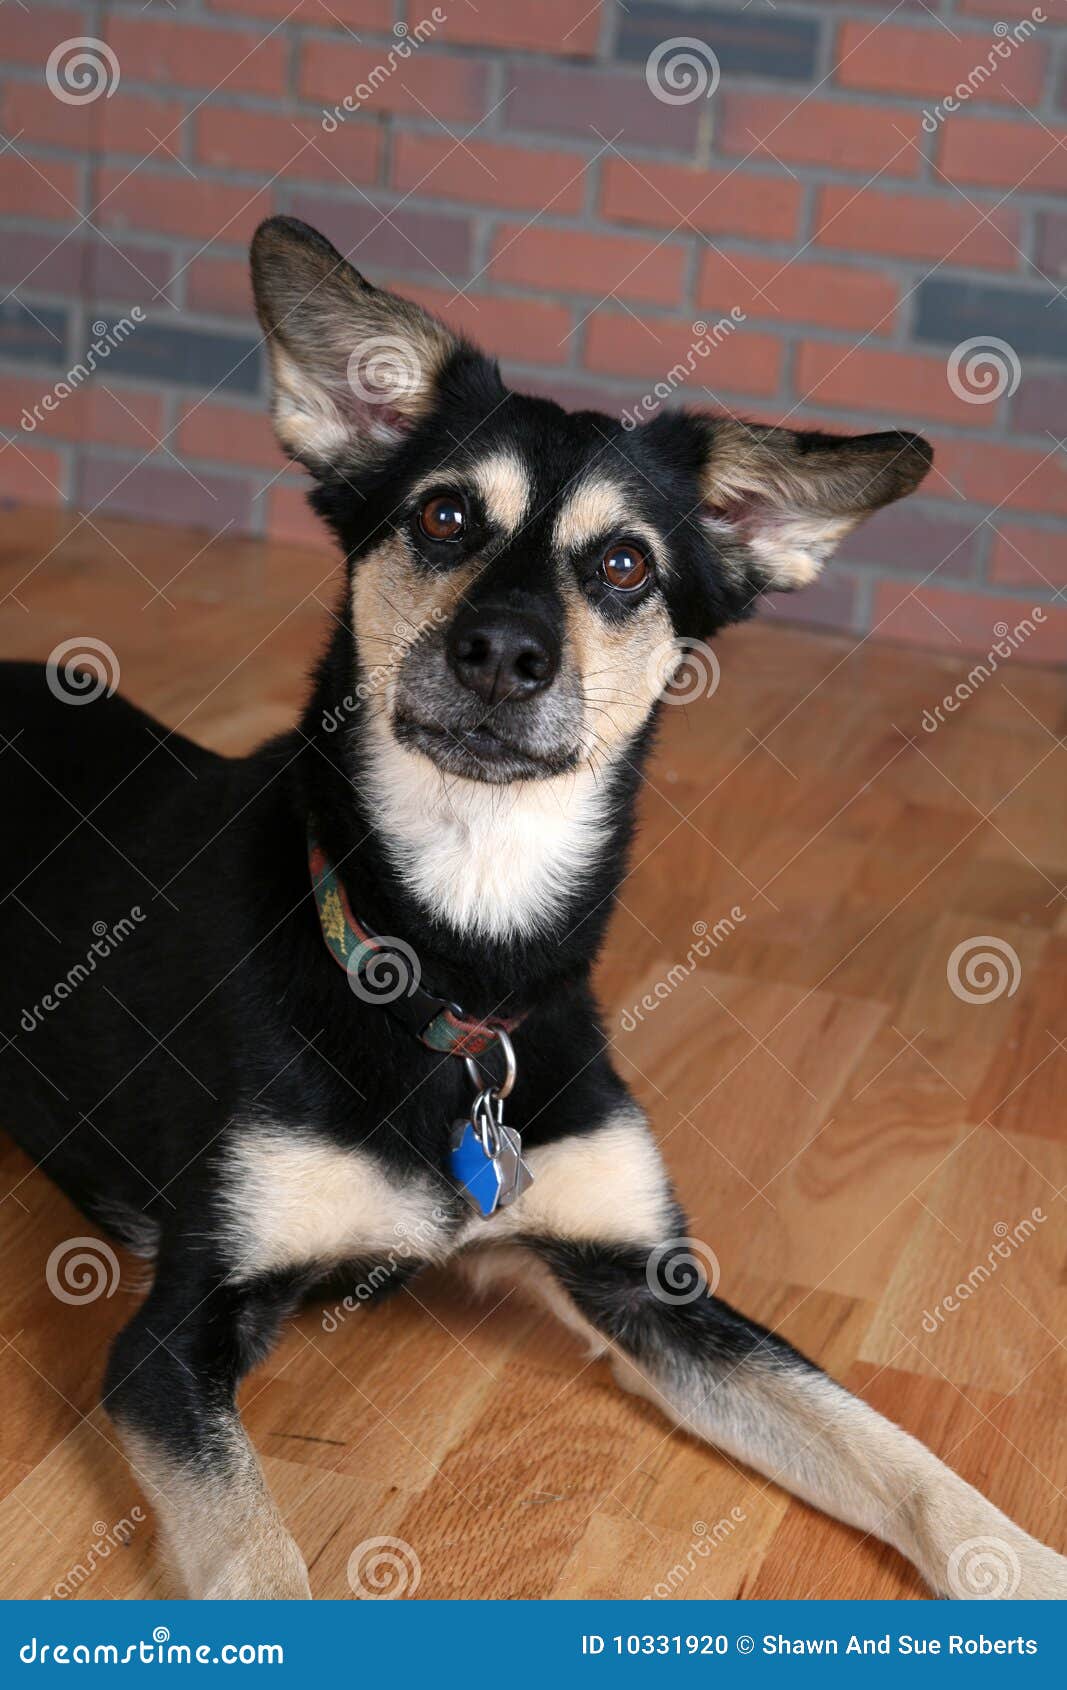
[504, 486]
[593, 508]
[598, 508]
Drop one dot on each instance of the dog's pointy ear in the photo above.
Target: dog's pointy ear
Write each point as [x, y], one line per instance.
[790, 496]
[353, 367]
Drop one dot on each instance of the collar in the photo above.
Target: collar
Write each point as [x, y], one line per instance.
[397, 987]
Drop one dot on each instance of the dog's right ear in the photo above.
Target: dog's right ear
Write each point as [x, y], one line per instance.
[353, 368]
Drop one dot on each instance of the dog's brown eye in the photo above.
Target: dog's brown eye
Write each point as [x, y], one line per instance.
[624, 566]
[443, 517]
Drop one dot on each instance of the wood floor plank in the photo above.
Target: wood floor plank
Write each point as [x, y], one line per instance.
[849, 1132]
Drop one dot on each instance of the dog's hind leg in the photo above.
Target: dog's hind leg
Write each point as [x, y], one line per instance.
[598, 1237]
[170, 1389]
[727, 1380]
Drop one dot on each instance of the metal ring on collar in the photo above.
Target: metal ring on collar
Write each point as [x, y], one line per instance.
[511, 1069]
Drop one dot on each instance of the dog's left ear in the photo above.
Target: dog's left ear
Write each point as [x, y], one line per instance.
[353, 367]
[790, 496]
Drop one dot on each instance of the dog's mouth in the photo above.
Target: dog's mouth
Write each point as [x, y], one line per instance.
[479, 752]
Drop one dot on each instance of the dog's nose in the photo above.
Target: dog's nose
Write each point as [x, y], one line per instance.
[502, 654]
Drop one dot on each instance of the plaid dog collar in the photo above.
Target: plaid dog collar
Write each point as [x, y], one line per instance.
[388, 972]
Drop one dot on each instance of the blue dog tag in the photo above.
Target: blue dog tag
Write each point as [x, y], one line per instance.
[474, 1170]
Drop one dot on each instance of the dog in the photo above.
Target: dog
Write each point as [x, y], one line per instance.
[360, 1003]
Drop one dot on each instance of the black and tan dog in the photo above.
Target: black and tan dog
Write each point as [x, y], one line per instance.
[222, 1096]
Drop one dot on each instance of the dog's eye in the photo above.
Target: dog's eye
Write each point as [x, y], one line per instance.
[624, 566]
[444, 517]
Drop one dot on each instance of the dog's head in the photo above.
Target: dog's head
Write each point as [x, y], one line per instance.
[523, 577]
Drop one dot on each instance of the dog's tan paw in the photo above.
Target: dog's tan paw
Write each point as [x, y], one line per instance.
[1002, 1564]
[258, 1578]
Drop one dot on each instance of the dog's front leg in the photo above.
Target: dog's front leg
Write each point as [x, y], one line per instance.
[598, 1236]
[170, 1389]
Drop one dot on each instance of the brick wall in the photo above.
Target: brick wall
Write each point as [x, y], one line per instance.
[858, 230]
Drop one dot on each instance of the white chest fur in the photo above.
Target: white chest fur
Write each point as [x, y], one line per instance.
[495, 860]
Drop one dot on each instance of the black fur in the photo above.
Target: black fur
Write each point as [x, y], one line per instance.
[222, 1002]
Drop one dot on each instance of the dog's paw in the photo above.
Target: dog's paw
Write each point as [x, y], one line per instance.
[271, 1569]
[1002, 1564]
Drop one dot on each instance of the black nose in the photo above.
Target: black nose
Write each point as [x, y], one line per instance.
[502, 654]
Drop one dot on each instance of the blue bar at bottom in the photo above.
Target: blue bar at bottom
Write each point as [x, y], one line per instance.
[576, 1643]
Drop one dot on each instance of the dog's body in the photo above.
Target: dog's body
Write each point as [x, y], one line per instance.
[216, 1095]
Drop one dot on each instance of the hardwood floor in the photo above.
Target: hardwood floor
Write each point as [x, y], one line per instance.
[853, 1138]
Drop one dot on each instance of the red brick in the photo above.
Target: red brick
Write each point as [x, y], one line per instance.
[219, 285]
[571, 261]
[618, 344]
[162, 491]
[290, 518]
[580, 101]
[1028, 557]
[270, 143]
[713, 202]
[123, 124]
[174, 53]
[31, 475]
[421, 85]
[561, 27]
[377, 238]
[794, 291]
[1021, 156]
[29, 38]
[857, 136]
[1040, 406]
[44, 188]
[229, 435]
[960, 621]
[917, 226]
[865, 378]
[529, 330]
[485, 173]
[178, 205]
[928, 63]
[829, 602]
[1021, 478]
[323, 14]
[121, 418]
